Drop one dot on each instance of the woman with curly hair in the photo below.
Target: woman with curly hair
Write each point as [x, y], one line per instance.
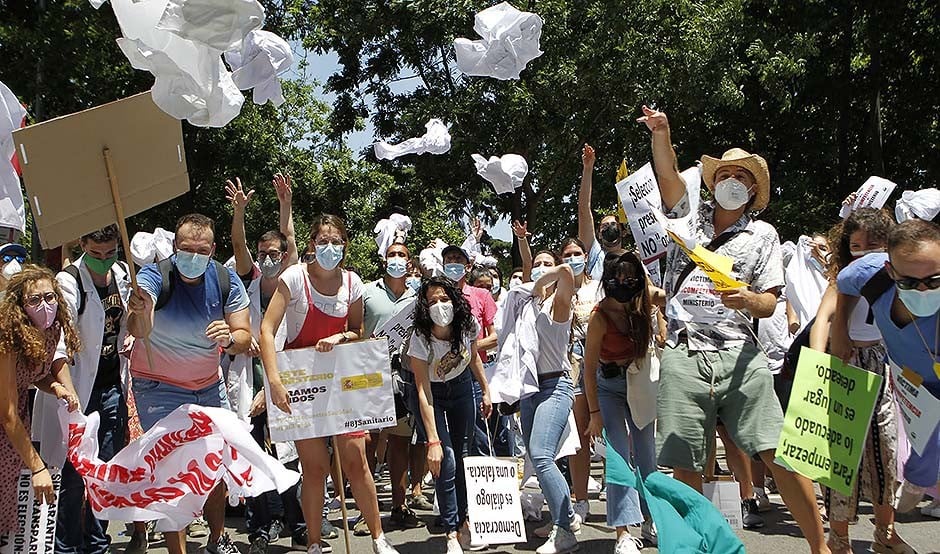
[445, 359]
[31, 325]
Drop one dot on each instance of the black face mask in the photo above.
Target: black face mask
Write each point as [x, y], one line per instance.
[610, 234]
[623, 292]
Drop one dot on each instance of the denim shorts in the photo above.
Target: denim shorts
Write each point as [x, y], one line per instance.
[155, 399]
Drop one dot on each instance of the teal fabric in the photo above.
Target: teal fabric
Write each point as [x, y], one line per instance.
[686, 521]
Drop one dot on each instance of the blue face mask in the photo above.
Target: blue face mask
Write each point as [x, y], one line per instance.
[577, 264]
[414, 283]
[921, 303]
[329, 255]
[396, 267]
[455, 272]
[190, 264]
[537, 272]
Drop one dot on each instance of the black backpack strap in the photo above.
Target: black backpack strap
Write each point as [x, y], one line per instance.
[714, 245]
[225, 283]
[877, 285]
[72, 270]
[167, 281]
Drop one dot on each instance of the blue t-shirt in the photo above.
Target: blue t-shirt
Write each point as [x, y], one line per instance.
[182, 353]
[595, 261]
[905, 345]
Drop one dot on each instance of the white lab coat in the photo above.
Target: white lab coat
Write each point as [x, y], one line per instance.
[45, 424]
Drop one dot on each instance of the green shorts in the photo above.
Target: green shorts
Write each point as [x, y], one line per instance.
[687, 409]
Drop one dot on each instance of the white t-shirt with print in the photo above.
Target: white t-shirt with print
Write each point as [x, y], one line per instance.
[337, 305]
[443, 363]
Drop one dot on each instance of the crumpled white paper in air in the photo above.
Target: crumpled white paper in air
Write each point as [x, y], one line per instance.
[181, 43]
[262, 57]
[386, 230]
[922, 204]
[12, 209]
[435, 141]
[505, 173]
[510, 40]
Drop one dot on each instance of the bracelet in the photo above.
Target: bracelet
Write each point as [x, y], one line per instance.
[433, 443]
[38, 471]
[54, 383]
[595, 411]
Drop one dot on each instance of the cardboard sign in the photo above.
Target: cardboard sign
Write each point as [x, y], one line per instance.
[66, 178]
[639, 195]
[726, 496]
[919, 409]
[36, 520]
[493, 506]
[397, 329]
[872, 194]
[331, 393]
[827, 420]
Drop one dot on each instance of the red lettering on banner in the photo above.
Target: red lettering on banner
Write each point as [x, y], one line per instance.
[201, 427]
[213, 461]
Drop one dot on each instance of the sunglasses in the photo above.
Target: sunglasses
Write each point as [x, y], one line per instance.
[7, 258]
[910, 283]
[34, 300]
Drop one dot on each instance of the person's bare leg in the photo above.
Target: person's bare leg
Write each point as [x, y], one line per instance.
[738, 462]
[381, 449]
[214, 512]
[798, 494]
[352, 454]
[691, 478]
[758, 471]
[418, 466]
[175, 541]
[315, 465]
[580, 463]
[884, 517]
[371, 444]
[397, 456]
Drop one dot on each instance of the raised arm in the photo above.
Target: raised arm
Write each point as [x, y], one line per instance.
[585, 216]
[285, 193]
[563, 278]
[671, 186]
[239, 199]
[521, 230]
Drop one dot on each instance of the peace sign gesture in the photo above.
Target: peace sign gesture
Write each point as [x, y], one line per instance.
[655, 120]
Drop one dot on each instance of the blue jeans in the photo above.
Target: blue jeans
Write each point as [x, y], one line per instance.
[624, 506]
[262, 510]
[547, 410]
[78, 532]
[922, 469]
[156, 399]
[453, 417]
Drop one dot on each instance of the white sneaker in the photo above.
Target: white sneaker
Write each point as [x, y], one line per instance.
[466, 541]
[453, 546]
[649, 534]
[382, 546]
[582, 508]
[546, 530]
[560, 541]
[314, 549]
[626, 544]
[763, 501]
[908, 497]
[932, 509]
[594, 486]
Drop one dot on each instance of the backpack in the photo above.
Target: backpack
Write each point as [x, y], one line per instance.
[73, 271]
[167, 271]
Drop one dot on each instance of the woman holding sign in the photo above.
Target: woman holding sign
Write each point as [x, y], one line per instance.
[445, 360]
[616, 348]
[31, 326]
[865, 231]
[323, 306]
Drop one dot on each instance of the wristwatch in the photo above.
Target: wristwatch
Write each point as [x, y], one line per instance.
[231, 341]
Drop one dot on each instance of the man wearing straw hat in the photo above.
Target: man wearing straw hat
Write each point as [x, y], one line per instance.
[712, 368]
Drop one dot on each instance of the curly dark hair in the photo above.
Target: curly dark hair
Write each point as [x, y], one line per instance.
[463, 322]
[875, 223]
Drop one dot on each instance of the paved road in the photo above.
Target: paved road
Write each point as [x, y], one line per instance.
[780, 536]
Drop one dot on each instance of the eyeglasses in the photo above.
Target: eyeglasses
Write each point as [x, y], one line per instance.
[334, 242]
[33, 300]
[910, 283]
[7, 258]
[275, 255]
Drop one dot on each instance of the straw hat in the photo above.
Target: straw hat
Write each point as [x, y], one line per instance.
[741, 158]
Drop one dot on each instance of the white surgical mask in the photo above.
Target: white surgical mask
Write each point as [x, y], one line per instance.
[442, 313]
[860, 253]
[190, 264]
[731, 194]
[414, 283]
[270, 268]
[577, 264]
[921, 303]
[396, 267]
[537, 272]
[329, 255]
[515, 282]
[455, 272]
[12, 268]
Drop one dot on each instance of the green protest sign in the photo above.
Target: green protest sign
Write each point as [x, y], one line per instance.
[827, 419]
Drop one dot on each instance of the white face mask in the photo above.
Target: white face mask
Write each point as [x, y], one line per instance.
[731, 194]
[537, 272]
[442, 313]
[921, 303]
[12, 268]
[515, 282]
[860, 253]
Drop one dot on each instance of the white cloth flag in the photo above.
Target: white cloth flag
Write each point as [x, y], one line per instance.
[505, 173]
[387, 229]
[922, 204]
[12, 209]
[168, 472]
[219, 24]
[262, 57]
[510, 40]
[806, 282]
[147, 248]
[435, 141]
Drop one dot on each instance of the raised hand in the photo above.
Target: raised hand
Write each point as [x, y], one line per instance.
[283, 187]
[587, 156]
[236, 195]
[655, 120]
[477, 227]
[521, 230]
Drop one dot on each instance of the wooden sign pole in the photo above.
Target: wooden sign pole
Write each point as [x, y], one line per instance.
[341, 489]
[125, 240]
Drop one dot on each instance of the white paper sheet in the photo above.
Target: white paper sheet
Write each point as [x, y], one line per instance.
[505, 173]
[510, 40]
[435, 141]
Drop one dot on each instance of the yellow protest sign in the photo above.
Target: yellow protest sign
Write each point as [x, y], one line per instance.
[714, 265]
